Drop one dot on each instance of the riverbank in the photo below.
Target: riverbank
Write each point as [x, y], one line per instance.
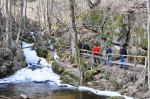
[108, 78]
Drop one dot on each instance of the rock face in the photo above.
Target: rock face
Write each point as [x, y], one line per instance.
[10, 61]
[120, 25]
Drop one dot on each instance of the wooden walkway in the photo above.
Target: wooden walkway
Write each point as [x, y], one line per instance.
[135, 64]
[103, 56]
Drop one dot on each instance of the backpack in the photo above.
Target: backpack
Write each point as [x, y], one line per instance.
[124, 52]
[108, 51]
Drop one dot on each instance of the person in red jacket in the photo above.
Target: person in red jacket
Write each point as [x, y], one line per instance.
[96, 53]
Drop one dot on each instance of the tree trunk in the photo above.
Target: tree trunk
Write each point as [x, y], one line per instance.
[148, 28]
[25, 14]
[73, 29]
[20, 23]
[10, 22]
[7, 25]
[75, 52]
[49, 19]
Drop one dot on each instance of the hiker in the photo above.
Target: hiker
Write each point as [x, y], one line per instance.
[86, 47]
[108, 50]
[96, 53]
[80, 46]
[123, 51]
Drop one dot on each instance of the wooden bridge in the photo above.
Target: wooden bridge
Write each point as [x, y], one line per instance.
[135, 64]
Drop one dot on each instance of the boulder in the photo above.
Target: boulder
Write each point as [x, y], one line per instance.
[5, 53]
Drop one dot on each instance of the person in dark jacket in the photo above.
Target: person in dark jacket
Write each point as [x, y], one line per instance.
[86, 47]
[96, 53]
[80, 46]
[123, 51]
[108, 50]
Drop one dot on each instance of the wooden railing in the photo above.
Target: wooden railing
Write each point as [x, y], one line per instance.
[103, 56]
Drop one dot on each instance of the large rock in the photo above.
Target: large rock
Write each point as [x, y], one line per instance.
[5, 53]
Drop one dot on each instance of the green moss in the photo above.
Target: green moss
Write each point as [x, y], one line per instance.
[94, 18]
[67, 79]
[70, 75]
[57, 68]
[72, 60]
[41, 53]
[87, 76]
[49, 57]
[144, 43]
[28, 38]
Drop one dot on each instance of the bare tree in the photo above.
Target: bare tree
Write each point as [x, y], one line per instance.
[48, 17]
[25, 14]
[7, 25]
[75, 52]
[148, 28]
[21, 20]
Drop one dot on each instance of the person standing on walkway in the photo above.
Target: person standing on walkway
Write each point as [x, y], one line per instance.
[123, 51]
[86, 48]
[80, 46]
[96, 53]
[108, 50]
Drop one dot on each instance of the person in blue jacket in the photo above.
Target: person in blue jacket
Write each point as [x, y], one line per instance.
[109, 58]
[86, 47]
[123, 51]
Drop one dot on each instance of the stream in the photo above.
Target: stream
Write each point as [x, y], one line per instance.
[38, 81]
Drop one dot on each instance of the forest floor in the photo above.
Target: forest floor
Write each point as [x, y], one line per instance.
[129, 82]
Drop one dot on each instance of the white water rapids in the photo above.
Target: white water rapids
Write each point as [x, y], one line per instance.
[44, 72]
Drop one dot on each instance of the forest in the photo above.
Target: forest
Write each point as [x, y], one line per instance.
[54, 28]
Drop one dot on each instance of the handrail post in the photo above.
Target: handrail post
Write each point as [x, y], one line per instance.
[134, 68]
[106, 60]
[92, 61]
[145, 70]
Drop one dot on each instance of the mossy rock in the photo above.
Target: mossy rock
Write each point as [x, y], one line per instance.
[116, 97]
[57, 68]
[69, 80]
[28, 38]
[72, 59]
[87, 76]
[70, 75]
[95, 71]
[144, 43]
[49, 57]
[59, 53]
[41, 52]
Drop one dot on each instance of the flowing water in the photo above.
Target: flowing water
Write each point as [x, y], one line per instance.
[38, 81]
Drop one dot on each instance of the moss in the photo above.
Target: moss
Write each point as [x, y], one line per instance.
[70, 75]
[28, 38]
[87, 76]
[41, 53]
[144, 43]
[57, 68]
[94, 18]
[49, 57]
[95, 71]
[72, 60]
[67, 79]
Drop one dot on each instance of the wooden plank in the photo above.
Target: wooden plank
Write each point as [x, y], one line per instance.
[130, 64]
[114, 54]
[116, 62]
